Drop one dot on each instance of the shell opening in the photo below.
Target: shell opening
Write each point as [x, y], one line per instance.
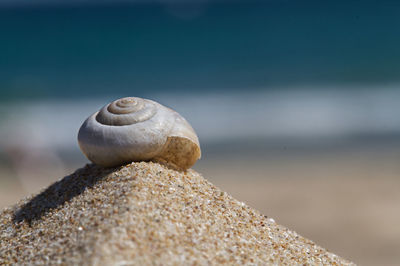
[180, 151]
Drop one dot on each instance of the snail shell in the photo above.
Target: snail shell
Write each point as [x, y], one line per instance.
[135, 129]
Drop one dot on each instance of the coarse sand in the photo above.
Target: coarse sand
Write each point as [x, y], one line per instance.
[146, 213]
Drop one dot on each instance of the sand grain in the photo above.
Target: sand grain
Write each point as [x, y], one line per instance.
[146, 213]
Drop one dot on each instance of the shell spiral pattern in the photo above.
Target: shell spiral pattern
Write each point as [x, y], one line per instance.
[135, 129]
[126, 111]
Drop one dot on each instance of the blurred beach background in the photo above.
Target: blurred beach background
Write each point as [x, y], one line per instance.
[296, 103]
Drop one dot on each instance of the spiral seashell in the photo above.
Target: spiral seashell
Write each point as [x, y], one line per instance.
[136, 129]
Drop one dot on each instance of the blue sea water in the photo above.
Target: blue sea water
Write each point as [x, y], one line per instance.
[272, 70]
[75, 51]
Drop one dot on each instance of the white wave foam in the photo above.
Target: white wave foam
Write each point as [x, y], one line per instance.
[291, 114]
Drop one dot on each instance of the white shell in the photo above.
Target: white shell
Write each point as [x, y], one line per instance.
[135, 129]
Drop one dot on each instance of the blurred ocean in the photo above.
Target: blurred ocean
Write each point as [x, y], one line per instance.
[306, 116]
[270, 70]
[79, 51]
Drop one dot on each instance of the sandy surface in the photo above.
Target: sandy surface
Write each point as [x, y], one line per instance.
[146, 213]
[345, 201]
[357, 219]
[348, 202]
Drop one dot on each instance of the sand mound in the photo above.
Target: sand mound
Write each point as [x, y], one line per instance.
[145, 213]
